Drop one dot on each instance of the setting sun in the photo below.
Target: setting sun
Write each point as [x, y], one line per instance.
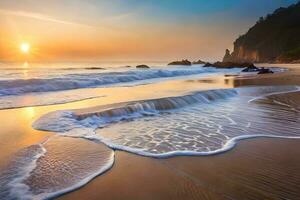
[25, 48]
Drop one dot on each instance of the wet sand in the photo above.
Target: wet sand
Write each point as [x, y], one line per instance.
[255, 169]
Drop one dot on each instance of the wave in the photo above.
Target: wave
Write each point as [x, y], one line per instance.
[87, 80]
[62, 121]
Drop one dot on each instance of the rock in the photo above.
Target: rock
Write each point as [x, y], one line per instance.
[248, 67]
[199, 62]
[207, 64]
[183, 62]
[228, 65]
[227, 56]
[142, 67]
[265, 71]
[251, 69]
[95, 68]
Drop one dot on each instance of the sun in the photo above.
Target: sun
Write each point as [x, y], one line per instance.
[25, 47]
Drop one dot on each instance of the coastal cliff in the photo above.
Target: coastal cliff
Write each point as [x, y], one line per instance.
[274, 39]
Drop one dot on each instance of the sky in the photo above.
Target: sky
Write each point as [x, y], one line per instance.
[126, 30]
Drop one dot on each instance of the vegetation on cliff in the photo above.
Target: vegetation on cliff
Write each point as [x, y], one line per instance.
[274, 38]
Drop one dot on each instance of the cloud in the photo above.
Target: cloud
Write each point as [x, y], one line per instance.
[47, 18]
[37, 16]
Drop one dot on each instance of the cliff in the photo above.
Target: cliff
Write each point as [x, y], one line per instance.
[274, 38]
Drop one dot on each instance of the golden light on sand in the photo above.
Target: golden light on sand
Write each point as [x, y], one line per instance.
[25, 47]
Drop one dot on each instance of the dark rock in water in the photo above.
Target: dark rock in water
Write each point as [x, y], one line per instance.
[95, 68]
[183, 62]
[251, 69]
[127, 66]
[208, 65]
[265, 71]
[199, 62]
[142, 67]
[248, 67]
[229, 65]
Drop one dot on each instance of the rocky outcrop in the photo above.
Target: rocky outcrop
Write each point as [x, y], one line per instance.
[199, 62]
[227, 56]
[274, 38]
[229, 65]
[248, 67]
[182, 62]
[142, 67]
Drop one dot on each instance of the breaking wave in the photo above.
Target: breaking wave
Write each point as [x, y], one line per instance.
[87, 80]
[62, 121]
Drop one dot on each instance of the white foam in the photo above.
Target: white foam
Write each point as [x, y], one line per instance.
[65, 121]
[18, 188]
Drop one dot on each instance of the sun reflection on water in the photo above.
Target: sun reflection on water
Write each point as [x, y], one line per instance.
[29, 112]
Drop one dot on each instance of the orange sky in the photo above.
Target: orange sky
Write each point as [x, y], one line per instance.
[99, 30]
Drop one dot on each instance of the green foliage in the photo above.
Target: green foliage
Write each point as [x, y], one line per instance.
[274, 35]
[292, 54]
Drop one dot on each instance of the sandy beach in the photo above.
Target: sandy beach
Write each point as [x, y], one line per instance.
[259, 168]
